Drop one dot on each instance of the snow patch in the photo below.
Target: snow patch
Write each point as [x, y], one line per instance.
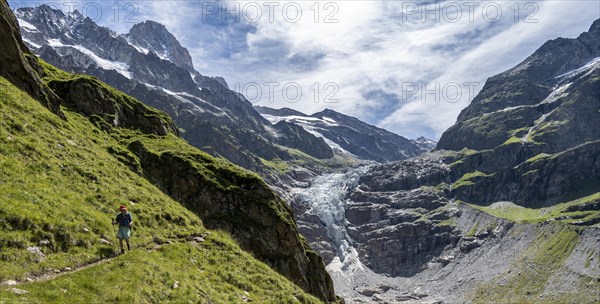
[33, 44]
[55, 43]
[27, 26]
[302, 120]
[333, 145]
[556, 94]
[327, 119]
[580, 70]
[140, 49]
[272, 118]
[193, 100]
[121, 67]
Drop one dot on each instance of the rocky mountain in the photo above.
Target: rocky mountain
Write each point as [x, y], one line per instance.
[150, 36]
[505, 210]
[74, 148]
[535, 128]
[151, 65]
[349, 135]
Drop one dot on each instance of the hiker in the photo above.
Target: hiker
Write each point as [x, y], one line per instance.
[125, 221]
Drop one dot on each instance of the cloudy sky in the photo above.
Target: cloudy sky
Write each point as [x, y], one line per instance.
[409, 67]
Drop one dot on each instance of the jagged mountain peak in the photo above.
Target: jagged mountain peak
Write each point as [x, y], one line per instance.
[50, 15]
[155, 25]
[51, 21]
[152, 36]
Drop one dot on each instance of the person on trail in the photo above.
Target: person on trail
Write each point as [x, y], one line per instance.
[125, 221]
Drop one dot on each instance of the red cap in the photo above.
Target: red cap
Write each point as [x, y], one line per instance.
[122, 208]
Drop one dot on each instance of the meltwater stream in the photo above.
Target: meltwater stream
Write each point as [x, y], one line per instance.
[326, 198]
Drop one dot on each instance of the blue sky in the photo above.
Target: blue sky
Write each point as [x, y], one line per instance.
[405, 66]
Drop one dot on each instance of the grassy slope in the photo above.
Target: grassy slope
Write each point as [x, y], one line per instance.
[564, 212]
[533, 269]
[57, 180]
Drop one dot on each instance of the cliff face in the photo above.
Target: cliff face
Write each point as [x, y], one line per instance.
[19, 66]
[223, 195]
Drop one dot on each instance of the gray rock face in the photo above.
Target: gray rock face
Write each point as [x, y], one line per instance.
[90, 98]
[396, 220]
[155, 38]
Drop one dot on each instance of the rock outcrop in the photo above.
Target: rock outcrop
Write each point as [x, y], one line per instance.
[19, 66]
[245, 206]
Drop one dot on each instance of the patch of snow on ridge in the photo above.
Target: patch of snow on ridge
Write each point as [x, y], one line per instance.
[35, 45]
[121, 67]
[302, 120]
[333, 145]
[577, 71]
[272, 118]
[557, 94]
[554, 96]
[140, 49]
[27, 26]
[327, 119]
[55, 43]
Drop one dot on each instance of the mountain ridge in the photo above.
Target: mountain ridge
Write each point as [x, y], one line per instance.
[349, 134]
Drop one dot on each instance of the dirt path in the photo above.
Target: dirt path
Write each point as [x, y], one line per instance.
[68, 270]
